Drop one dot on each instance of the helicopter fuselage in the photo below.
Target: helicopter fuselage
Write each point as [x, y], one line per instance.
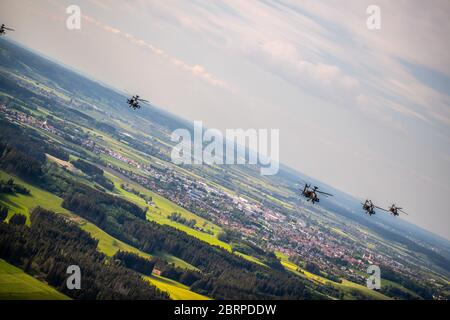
[310, 194]
[369, 208]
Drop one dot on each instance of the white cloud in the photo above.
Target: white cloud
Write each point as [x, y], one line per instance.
[196, 70]
[325, 49]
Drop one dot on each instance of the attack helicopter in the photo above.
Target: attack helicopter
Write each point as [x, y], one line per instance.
[133, 102]
[311, 193]
[395, 211]
[3, 29]
[369, 207]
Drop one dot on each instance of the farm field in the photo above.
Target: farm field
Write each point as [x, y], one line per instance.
[164, 208]
[17, 285]
[176, 290]
[107, 244]
[19, 203]
[346, 286]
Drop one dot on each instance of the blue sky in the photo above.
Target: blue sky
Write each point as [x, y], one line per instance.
[366, 111]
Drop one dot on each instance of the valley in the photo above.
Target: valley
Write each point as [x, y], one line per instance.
[107, 169]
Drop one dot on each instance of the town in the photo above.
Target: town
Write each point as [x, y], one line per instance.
[293, 232]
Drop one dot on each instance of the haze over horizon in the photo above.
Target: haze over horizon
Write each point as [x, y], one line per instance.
[365, 111]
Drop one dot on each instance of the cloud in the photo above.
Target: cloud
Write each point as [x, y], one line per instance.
[100, 4]
[196, 70]
[319, 78]
[326, 50]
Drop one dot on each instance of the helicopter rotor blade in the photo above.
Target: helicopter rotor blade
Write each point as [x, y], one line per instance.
[381, 208]
[325, 193]
[8, 29]
[304, 184]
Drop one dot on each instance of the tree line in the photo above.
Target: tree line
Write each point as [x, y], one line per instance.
[22, 151]
[95, 173]
[177, 217]
[135, 262]
[10, 187]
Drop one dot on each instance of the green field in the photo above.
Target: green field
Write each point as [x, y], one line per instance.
[19, 203]
[38, 197]
[250, 258]
[346, 286]
[17, 285]
[176, 290]
[165, 207]
[177, 262]
[107, 244]
[110, 245]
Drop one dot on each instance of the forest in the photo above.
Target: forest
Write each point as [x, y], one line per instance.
[22, 151]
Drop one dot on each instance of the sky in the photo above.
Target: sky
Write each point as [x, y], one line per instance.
[365, 111]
